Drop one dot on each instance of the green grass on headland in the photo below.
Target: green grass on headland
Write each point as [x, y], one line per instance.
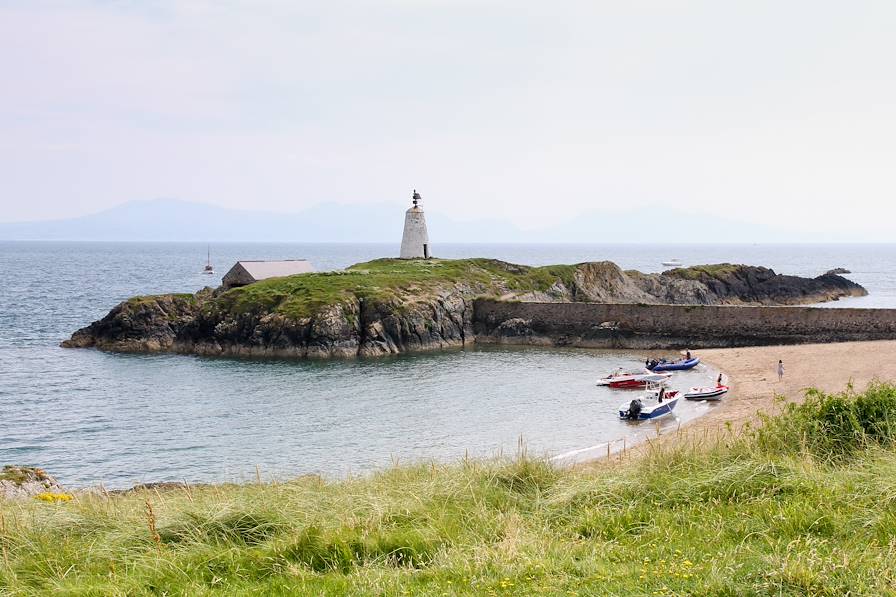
[806, 506]
[698, 272]
[300, 296]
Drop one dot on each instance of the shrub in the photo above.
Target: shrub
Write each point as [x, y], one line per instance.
[833, 426]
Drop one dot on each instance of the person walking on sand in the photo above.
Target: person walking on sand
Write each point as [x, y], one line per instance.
[780, 369]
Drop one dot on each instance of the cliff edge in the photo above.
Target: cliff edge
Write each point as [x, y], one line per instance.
[389, 306]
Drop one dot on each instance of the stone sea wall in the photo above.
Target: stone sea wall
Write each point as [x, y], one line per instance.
[673, 326]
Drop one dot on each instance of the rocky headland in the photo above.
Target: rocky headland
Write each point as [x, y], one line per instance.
[390, 306]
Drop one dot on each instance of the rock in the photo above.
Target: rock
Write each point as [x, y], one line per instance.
[395, 306]
[837, 271]
[22, 482]
[145, 324]
[749, 285]
[515, 328]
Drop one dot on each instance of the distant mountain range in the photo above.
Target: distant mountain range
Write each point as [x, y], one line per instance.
[177, 220]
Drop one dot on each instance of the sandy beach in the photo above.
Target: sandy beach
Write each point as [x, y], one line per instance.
[753, 377]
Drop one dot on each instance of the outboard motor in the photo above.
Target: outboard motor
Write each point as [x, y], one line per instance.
[634, 409]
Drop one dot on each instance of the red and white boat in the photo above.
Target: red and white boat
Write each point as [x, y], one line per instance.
[707, 393]
[632, 379]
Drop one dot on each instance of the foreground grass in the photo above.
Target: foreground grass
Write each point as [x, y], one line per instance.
[767, 513]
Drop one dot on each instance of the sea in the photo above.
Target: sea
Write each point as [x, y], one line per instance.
[91, 417]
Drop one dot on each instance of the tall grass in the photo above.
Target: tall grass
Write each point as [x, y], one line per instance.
[778, 511]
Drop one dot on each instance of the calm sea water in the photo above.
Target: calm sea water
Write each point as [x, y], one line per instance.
[91, 417]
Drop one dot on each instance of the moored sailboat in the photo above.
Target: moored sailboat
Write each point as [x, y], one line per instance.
[208, 269]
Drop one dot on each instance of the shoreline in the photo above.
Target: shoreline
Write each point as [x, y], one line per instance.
[750, 373]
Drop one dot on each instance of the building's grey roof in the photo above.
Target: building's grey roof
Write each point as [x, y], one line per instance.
[261, 270]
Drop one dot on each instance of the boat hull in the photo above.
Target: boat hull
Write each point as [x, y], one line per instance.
[678, 366]
[706, 393]
[639, 380]
[651, 412]
[626, 384]
[638, 383]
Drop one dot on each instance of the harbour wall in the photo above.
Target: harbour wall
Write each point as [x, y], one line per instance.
[599, 325]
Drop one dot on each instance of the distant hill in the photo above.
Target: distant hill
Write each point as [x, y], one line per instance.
[177, 220]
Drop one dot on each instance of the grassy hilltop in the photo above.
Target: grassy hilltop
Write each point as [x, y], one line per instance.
[382, 280]
[387, 280]
[804, 506]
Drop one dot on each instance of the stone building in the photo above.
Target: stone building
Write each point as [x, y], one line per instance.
[415, 240]
[248, 272]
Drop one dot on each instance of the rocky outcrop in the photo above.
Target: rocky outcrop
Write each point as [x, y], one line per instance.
[390, 306]
[837, 271]
[146, 324]
[749, 285]
[355, 326]
[19, 482]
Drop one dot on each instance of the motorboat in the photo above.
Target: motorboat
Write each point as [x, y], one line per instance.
[681, 365]
[674, 262]
[706, 393]
[632, 379]
[652, 405]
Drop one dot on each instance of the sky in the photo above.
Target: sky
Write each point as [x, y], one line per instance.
[532, 112]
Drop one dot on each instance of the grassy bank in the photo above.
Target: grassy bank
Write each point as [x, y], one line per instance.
[805, 506]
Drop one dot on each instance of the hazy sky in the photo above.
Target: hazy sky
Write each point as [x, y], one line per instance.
[533, 111]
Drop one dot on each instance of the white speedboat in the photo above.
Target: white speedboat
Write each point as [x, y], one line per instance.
[632, 379]
[673, 263]
[652, 405]
[707, 393]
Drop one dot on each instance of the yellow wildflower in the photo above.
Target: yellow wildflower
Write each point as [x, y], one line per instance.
[52, 498]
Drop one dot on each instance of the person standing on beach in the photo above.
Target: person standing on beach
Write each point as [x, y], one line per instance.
[780, 369]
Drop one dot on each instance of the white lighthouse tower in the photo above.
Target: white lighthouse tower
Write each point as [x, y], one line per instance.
[415, 241]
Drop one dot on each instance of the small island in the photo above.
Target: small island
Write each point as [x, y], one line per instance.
[390, 306]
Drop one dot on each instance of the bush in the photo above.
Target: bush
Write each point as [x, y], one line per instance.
[833, 426]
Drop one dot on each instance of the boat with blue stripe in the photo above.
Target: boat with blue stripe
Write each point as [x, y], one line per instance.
[682, 365]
